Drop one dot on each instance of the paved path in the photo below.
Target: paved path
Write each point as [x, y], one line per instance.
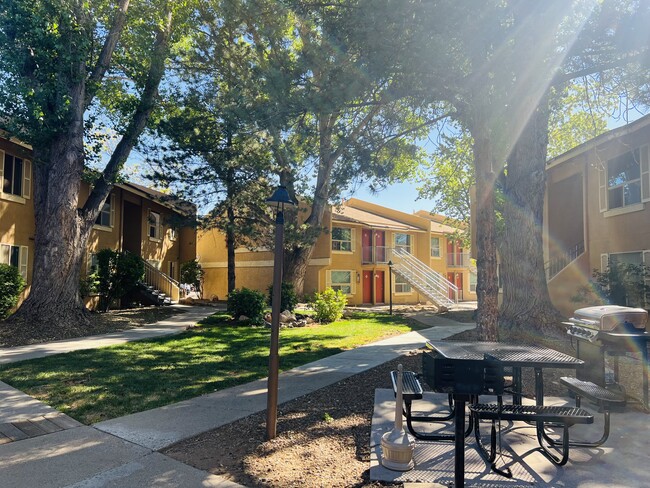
[122, 452]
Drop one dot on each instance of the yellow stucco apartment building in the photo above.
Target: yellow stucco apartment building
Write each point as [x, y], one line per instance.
[353, 255]
[134, 218]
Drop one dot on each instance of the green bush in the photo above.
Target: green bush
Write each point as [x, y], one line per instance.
[11, 285]
[620, 284]
[117, 274]
[329, 305]
[250, 303]
[288, 299]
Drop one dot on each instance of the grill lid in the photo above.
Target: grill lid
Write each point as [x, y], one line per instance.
[611, 317]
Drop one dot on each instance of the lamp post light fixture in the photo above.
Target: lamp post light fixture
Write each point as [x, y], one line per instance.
[390, 287]
[277, 201]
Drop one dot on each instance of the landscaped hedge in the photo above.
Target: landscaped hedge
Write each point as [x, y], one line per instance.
[247, 302]
[288, 299]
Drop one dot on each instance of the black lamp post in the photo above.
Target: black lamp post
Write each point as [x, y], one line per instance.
[390, 287]
[278, 200]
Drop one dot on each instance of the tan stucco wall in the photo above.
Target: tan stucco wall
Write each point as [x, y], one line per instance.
[603, 232]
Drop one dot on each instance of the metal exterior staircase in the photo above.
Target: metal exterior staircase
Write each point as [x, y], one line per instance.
[162, 289]
[428, 282]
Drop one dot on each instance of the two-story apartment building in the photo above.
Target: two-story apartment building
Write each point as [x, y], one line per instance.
[134, 218]
[597, 209]
[363, 243]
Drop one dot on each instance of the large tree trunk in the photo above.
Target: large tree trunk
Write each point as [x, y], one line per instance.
[526, 303]
[230, 247]
[298, 258]
[487, 286]
[53, 308]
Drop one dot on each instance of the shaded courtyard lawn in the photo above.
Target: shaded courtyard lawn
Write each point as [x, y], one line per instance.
[99, 384]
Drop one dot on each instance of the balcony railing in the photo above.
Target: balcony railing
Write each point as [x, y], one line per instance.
[559, 262]
[458, 260]
[375, 254]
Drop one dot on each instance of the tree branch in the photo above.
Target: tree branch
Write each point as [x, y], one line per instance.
[104, 61]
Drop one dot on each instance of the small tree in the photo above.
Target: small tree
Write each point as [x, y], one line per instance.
[118, 273]
[622, 284]
[11, 285]
[192, 274]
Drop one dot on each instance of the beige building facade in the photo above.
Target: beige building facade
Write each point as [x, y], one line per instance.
[597, 210]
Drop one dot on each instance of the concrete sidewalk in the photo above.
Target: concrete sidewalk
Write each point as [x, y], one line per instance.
[122, 452]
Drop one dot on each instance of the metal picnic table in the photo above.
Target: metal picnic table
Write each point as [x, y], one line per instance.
[516, 356]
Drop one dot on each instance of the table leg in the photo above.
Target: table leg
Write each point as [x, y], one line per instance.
[459, 441]
[516, 378]
[539, 387]
[645, 365]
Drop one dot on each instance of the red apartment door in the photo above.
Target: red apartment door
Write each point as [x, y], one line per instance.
[380, 246]
[367, 286]
[366, 243]
[459, 285]
[379, 287]
[451, 279]
[450, 256]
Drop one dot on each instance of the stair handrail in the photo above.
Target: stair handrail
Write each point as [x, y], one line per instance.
[160, 281]
[432, 281]
[557, 263]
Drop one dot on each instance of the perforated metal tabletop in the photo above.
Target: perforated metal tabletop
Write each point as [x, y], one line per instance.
[517, 355]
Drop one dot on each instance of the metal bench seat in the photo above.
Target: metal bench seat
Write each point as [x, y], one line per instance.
[604, 398]
[532, 413]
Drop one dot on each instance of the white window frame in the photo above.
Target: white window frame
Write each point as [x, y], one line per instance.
[472, 286]
[341, 241]
[339, 285]
[23, 257]
[173, 234]
[26, 189]
[401, 287]
[604, 188]
[409, 241]
[107, 209]
[154, 223]
[435, 255]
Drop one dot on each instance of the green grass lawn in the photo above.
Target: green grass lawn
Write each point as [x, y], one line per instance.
[99, 384]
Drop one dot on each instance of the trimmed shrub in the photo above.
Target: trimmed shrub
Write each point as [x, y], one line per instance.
[250, 303]
[117, 274]
[329, 305]
[11, 285]
[288, 299]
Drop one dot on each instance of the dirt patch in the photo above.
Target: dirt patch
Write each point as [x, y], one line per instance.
[101, 323]
[323, 438]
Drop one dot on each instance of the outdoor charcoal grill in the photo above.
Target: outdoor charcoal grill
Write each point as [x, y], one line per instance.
[611, 330]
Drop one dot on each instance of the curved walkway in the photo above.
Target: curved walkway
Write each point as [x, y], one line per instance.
[122, 452]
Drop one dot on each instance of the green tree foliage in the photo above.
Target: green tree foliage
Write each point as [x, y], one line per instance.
[247, 302]
[11, 286]
[329, 305]
[118, 272]
[71, 74]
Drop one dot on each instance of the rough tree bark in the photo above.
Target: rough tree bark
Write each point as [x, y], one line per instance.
[487, 286]
[526, 303]
[54, 307]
